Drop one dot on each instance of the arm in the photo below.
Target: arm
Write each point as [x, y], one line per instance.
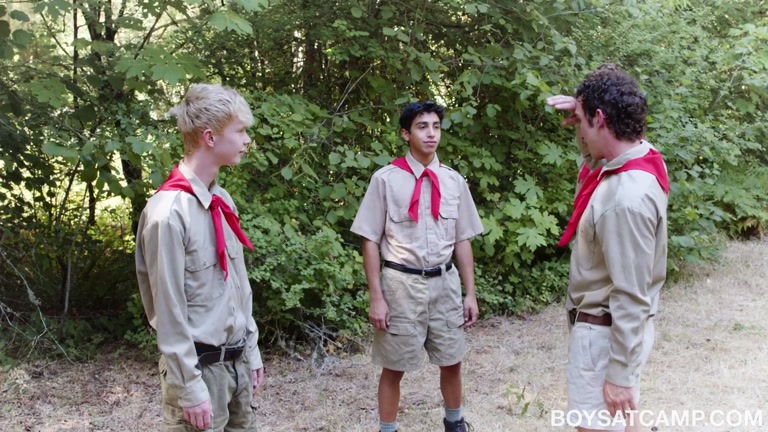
[465, 263]
[252, 348]
[252, 352]
[468, 225]
[628, 240]
[164, 256]
[369, 224]
[379, 311]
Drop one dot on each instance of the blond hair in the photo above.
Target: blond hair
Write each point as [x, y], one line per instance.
[208, 106]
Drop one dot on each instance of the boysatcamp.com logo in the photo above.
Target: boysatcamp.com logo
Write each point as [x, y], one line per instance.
[648, 418]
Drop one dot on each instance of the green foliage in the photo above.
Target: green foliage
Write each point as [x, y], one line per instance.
[141, 334]
[305, 277]
[705, 91]
[81, 116]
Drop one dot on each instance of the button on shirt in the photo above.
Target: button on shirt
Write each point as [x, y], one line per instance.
[619, 260]
[383, 215]
[182, 286]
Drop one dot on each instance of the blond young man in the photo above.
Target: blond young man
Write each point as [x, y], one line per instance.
[417, 214]
[619, 255]
[192, 276]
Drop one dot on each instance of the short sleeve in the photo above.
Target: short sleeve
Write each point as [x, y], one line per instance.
[371, 216]
[468, 224]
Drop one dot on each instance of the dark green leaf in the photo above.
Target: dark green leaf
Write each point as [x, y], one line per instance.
[22, 37]
[19, 16]
[5, 29]
[89, 173]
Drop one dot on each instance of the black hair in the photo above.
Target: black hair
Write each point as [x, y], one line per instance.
[414, 109]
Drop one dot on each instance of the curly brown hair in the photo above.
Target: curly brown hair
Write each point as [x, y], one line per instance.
[618, 96]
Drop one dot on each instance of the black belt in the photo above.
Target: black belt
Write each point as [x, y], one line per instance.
[209, 354]
[430, 272]
[601, 320]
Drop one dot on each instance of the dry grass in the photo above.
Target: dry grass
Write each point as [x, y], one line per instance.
[710, 354]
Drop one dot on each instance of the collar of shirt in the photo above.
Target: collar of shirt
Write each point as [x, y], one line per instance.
[418, 168]
[203, 194]
[633, 153]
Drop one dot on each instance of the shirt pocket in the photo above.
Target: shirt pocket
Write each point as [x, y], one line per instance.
[449, 214]
[235, 254]
[203, 277]
[234, 251]
[586, 244]
[400, 228]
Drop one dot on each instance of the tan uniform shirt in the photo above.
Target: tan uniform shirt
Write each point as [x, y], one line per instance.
[383, 215]
[182, 286]
[619, 260]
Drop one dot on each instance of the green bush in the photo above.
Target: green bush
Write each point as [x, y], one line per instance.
[327, 81]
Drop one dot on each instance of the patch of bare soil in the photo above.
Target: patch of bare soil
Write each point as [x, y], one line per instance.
[709, 364]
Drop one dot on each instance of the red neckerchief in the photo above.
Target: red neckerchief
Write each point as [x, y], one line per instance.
[652, 163]
[177, 182]
[413, 208]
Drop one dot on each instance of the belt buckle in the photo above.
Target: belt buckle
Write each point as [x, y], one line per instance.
[222, 353]
[423, 273]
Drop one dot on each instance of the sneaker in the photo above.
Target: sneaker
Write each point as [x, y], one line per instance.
[457, 426]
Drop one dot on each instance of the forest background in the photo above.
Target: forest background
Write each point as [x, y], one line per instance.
[85, 85]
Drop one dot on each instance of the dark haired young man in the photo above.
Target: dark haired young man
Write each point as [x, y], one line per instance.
[619, 255]
[416, 215]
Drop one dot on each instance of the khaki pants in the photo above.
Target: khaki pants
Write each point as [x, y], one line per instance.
[230, 385]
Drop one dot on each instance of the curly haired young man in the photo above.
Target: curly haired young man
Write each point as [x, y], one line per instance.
[619, 255]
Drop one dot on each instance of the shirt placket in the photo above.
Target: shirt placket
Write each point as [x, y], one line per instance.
[430, 225]
[232, 284]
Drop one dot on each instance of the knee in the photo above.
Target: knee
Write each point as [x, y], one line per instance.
[451, 370]
[392, 376]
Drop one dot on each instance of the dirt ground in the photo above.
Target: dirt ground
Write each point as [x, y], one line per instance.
[710, 361]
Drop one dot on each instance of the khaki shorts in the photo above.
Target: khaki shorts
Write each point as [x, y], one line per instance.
[425, 313]
[230, 386]
[589, 351]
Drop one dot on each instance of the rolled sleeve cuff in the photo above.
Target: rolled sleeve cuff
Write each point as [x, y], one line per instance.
[254, 359]
[620, 375]
[194, 394]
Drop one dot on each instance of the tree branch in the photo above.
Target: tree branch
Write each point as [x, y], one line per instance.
[52, 35]
[151, 30]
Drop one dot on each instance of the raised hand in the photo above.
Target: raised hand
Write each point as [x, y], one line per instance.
[565, 103]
